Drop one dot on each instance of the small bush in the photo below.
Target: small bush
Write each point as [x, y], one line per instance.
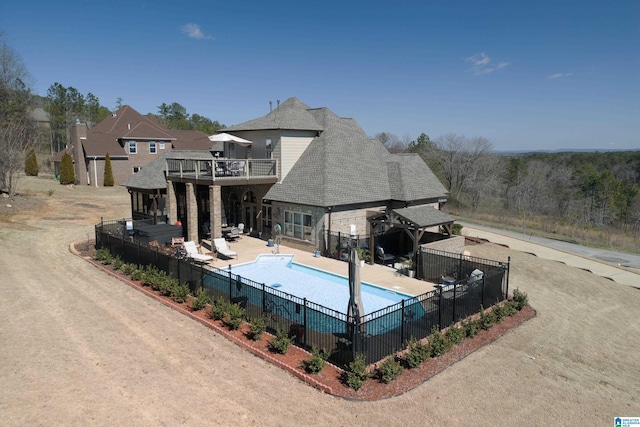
[108, 180]
[67, 173]
[117, 263]
[418, 353]
[455, 335]
[471, 327]
[520, 298]
[389, 370]
[317, 361]
[218, 309]
[31, 164]
[281, 342]
[138, 273]
[178, 292]
[487, 319]
[108, 259]
[101, 254]
[438, 344]
[258, 326]
[201, 299]
[357, 372]
[128, 269]
[510, 308]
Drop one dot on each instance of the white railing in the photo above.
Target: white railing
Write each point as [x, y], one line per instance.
[220, 169]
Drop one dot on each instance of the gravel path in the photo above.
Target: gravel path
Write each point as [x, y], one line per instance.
[81, 348]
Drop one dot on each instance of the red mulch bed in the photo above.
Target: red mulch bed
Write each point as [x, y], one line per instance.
[329, 380]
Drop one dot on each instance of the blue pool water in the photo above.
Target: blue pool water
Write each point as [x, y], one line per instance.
[318, 286]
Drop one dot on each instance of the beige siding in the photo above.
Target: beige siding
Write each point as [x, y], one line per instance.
[292, 145]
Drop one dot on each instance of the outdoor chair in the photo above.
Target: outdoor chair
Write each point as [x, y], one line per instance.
[241, 228]
[233, 235]
[193, 252]
[222, 248]
[384, 258]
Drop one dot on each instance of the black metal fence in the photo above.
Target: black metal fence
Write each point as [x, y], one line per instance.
[378, 335]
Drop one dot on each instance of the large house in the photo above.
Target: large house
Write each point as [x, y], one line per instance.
[313, 173]
[131, 139]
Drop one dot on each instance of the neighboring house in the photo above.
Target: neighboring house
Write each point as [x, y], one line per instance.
[131, 139]
[310, 171]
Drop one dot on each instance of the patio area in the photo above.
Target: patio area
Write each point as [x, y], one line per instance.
[248, 249]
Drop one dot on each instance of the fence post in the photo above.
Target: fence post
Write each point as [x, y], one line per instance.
[230, 286]
[264, 299]
[304, 323]
[138, 250]
[506, 291]
[483, 283]
[455, 303]
[459, 272]
[440, 308]
[402, 325]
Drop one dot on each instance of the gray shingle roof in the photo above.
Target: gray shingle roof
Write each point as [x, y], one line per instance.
[344, 166]
[291, 114]
[152, 175]
[424, 216]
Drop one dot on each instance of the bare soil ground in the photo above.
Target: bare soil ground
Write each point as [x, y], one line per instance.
[82, 348]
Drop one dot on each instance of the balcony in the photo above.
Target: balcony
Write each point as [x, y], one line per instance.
[222, 171]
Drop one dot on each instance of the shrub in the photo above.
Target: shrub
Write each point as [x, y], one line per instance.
[487, 319]
[108, 259]
[31, 164]
[456, 229]
[520, 298]
[471, 327]
[138, 273]
[389, 370]
[218, 309]
[101, 254]
[418, 353]
[438, 344]
[178, 292]
[234, 316]
[200, 300]
[128, 269]
[281, 342]
[357, 372]
[258, 326]
[317, 361]
[510, 308]
[108, 172]
[455, 335]
[67, 174]
[117, 263]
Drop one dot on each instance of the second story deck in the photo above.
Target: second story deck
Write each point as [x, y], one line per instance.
[222, 171]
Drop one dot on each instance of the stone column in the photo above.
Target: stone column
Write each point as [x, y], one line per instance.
[192, 213]
[215, 211]
[172, 203]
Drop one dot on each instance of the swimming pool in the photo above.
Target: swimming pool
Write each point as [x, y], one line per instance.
[319, 286]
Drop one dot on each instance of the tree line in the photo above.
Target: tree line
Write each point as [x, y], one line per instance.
[587, 189]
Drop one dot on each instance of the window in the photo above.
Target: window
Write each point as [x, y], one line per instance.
[133, 147]
[161, 145]
[269, 148]
[297, 225]
[152, 147]
[266, 216]
[136, 168]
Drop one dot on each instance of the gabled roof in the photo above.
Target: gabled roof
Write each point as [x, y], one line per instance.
[344, 166]
[128, 124]
[424, 216]
[290, 115]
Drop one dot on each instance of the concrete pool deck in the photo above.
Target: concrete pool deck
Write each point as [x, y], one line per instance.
[248, 249]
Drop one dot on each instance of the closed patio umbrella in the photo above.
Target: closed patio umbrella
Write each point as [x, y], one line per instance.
[355, 310]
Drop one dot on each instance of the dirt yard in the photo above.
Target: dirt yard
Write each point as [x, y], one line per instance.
[81, 348]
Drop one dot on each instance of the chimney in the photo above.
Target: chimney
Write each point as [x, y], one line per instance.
[270, 106]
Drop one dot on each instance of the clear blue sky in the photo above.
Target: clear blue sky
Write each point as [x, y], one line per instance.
[525, 75]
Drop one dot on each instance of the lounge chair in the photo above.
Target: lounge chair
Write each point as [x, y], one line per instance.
[223, 249]
[192, 251]
[384, 258]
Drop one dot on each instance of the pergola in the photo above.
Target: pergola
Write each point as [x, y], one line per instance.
[414, 220]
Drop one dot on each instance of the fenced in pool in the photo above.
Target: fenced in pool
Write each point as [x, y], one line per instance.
[382, 332]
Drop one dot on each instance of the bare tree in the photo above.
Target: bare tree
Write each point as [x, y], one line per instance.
[17, 132]
[392, 142]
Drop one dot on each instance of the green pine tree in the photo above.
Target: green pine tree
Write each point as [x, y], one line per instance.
[31, 164]
[67, 174]
[108, 172]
